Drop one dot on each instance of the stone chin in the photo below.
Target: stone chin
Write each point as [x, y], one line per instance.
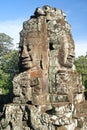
[68, 64]
[26, 66]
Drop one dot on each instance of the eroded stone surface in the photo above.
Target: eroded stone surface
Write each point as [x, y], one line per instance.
[48, 86]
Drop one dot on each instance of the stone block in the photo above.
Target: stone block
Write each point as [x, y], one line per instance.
[39, 99]
[54, 98]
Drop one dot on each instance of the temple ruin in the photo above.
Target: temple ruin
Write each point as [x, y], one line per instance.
[48, 91]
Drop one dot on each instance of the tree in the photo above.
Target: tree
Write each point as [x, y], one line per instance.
[8, 62]
[8, 69]
[5, 83]
[81, 66]
[5, 43]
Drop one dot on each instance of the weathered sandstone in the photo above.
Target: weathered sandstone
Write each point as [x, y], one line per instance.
[48, 89]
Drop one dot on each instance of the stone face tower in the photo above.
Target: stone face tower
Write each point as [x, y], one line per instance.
[48, 86]
[46, 58]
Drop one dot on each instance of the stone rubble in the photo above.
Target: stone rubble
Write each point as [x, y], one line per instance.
[48, 88]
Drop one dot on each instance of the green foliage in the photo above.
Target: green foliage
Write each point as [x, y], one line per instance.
[5, 43]
[5, 83]
[8, 63]
[81, 66]
[8, 69]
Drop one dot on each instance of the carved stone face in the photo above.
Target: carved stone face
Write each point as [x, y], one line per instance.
[25, 58]
[66, 52]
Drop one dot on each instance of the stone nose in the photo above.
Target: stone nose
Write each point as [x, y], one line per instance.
[24, 52]
[72, 54]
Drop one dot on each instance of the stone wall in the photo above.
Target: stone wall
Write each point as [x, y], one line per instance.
[48, 89]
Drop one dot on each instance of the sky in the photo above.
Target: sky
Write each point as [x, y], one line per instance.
[14, 12]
